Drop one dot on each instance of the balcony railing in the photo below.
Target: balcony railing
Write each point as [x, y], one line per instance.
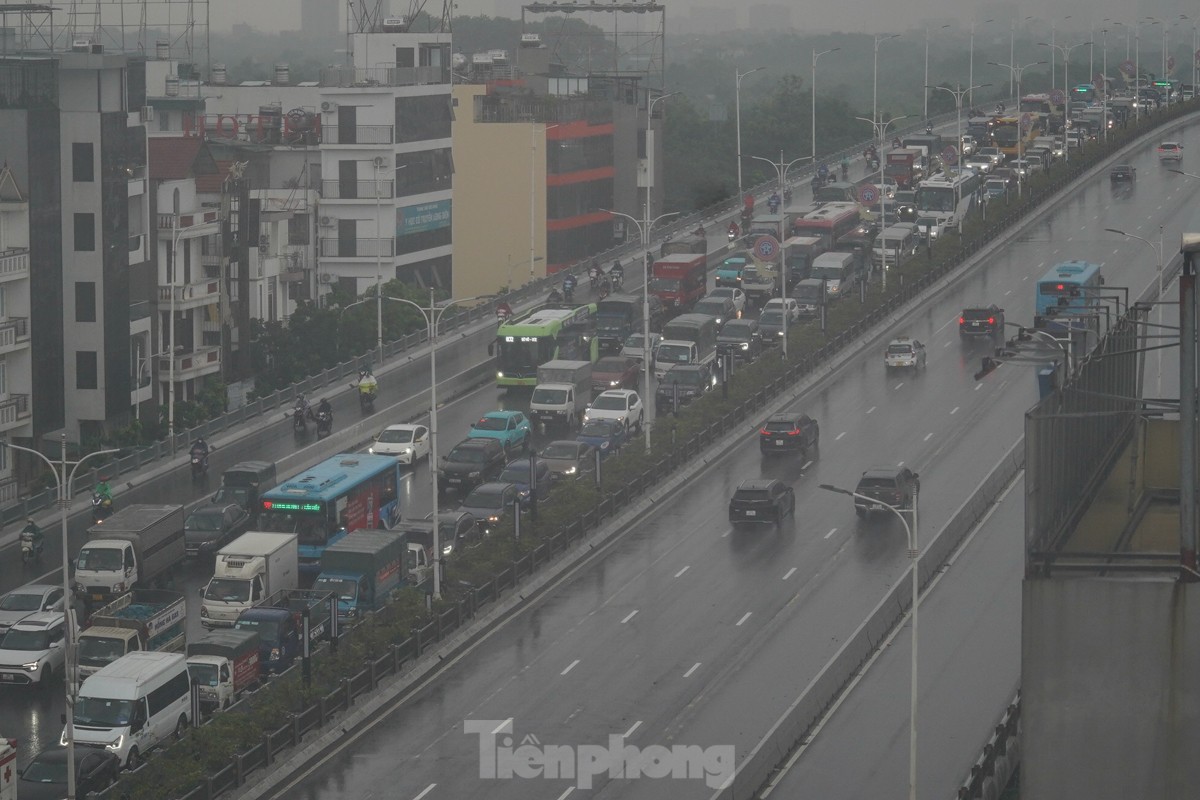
[356, 190]
[166, 222]
[356, 248]
[14, 262]
[14, 409]
[187, 365]
[13, 331]
[366, 77]
[203, 291]
[359, 134]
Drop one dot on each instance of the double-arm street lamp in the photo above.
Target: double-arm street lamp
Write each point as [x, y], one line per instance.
[64, 482]
[644, 228]
[880, 127]
[737, 106]
[958, 95]
[1016, 71]
[781, 169]
[813, 120]
[1065, 50]
[914, 557]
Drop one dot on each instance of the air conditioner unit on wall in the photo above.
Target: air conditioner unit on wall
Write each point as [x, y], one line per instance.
[326, 277]
[328, 106]
[327, 222]
[381, 162]
[147, 114]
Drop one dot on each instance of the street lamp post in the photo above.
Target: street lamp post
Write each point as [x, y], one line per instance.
[880, 128]
[1104, 89]
[1065, 50]
[781, 169]
[958, 95]
[644, 228]
[925, 110]
[433, 315]
[879, 37]
[813, 120]
[737, 105]
[914, 555]
[1017, 71]
[64, 483]
[971, 65]
[1158, 253]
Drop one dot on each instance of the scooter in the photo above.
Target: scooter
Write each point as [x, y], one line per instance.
[29, 550]
[300, 419]
[199, 464]
[366, 401]
[604, 288]
[102, 508]
[324, 424]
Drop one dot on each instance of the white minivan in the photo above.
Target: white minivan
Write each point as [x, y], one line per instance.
[134, 704]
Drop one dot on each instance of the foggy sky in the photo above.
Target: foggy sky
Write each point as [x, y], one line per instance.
[865, 16]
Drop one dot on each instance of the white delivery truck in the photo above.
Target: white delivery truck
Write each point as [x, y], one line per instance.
[563, 391]
[248, 569]
[134, 548]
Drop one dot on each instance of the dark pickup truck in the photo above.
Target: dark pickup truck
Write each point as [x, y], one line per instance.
[982, 321]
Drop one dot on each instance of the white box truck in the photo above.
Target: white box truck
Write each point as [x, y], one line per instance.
[562, 394]
[248, 569]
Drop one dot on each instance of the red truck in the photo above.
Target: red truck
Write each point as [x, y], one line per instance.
[904, 167]
[679, 280]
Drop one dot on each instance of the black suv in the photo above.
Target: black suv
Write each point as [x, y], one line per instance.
[209, 527]
[1122, 172]
[470, 463]
[762, 501]
[982, 321]
[893, 486]
[692, 380]
[789, 433]
[741, 338]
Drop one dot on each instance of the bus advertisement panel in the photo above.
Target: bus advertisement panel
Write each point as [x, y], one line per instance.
[323, 503]
[562, 332]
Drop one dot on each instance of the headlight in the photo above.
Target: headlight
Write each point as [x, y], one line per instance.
[614, 383]
[62, 738]
[570, 471]
[119, 588]
[32, 666]
[604, 445]
[745, 345]
[274, 653]
[499, 374]
[78, 587]
[204, 611]
[473, 474]
[406, 451]
[115, 744]
[447, 549]
[493, 518]
[371, 450]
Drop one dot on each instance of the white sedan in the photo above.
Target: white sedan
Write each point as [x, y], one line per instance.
[624, 405]
[791, 304]
[408, 443]
[733, 293]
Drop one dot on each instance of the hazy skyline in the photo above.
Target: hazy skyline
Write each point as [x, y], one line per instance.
[853, 16]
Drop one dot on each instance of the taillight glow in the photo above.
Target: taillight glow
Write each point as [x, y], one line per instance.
[991, 320]
[962, 320]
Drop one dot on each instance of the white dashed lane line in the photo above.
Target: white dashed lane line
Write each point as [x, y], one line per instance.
[685, 569]
[570, 667]
[629, 616]
[695, 667]
[790, 572]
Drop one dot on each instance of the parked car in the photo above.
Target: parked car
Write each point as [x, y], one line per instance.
[45, 777]
[511, 428]
[208, 528]
[762, 501]
[568, 458]
[893, 486]
[517, 473]
[606, 435]
[615, 372]
[789, 432]
[408, 443]
[734, 294]
[742, 338]
[34, 650]
[622, 405]
[489, 503]
[470, 463]
[29, 599]
[904, 352]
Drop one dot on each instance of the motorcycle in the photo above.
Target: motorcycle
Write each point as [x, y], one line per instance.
[554, 297]
[300, 415]
[873, 164]
[604, 288]
[617, 280]
[102, 507]
[366, 401]
[569, 293]
[594, 279]
[324, 424]
[199, 463]
[732, 234]
[29, 550]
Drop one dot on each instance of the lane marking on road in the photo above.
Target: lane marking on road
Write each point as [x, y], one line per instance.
[898, 385]
[1006, 294]
[567, 792]
[899, 463]
[629, 732]
[977, 386]
[832, 531]
[839, 436]
[428, 789]
[502, 726]
[570, 667]
[726, 533]
[948, 324]
[947, 344]
[745, 617]
[806, 465]
[928, 436]
[789, 573]
[871, 409]
[629, 616]
[695, 667]
[1025, 278]
[954, 410]
[685, 569]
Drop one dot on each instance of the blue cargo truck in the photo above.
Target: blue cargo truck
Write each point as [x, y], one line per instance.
[361, 570]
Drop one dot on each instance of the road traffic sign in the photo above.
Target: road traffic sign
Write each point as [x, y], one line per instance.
[766, 248]
[1128, 67]
[950, 155]
[868, 195]
[1058, 97]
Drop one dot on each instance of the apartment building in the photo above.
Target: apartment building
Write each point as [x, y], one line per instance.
[16, 376]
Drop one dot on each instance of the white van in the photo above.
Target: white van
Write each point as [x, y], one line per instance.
[134, 704]
[839, 272]
[897, 242]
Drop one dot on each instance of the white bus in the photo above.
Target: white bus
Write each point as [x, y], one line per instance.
[948, 196]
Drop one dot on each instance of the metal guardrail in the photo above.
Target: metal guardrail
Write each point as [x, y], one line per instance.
[1000, 758]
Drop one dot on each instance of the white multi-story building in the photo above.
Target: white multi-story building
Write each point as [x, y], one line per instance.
[16, 377]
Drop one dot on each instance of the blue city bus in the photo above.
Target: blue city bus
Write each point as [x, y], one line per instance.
[1070, 287]
[323, 503]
